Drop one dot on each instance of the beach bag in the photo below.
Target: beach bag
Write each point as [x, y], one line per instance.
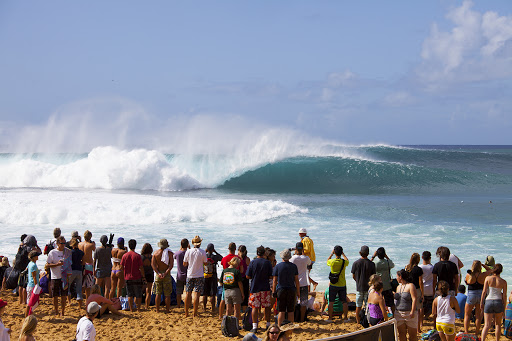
[466, 337]
[363, 319]
[247, 319]
[125, 304]
[335, 277]
[23, 279]
[229, 326]
[434, 336]
[44, 282]
[507, 324]
[11, 278]
[208, 268]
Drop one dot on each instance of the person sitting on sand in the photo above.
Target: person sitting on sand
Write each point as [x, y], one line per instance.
[286, 287]
[181, 273]
[113, 306]
[117, 275]
[259, 272]
[85, 330]
[28, 328]
[303, 262]
[377, 305]
[88, 247]
[338, 289]
[162, 263]
[444, 308]
[147, 254]
[195, 259]
[5, 333]
[103, 265]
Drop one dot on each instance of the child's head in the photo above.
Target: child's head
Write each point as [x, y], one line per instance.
[443, 288]
[234, 262]
[374, 279]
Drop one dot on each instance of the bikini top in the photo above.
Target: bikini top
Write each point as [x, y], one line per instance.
[476, 285]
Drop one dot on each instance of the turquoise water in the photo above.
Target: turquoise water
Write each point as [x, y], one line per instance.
[407, 199]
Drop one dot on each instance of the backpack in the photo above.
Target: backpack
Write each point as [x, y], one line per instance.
[434, 337]
[48, 247]
[21, 260]
[209, 268]
[11, 278]
[335, 277]
[229, 326]
[466, 337]
[247, 319]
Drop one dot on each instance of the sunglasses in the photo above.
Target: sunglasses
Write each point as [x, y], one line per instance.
[273, 332]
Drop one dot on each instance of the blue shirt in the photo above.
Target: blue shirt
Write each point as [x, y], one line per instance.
[260, 270]
[31, 268]
[461, 299]
[286, 272]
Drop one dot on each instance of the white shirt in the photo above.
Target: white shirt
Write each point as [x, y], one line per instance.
[428, 279]
[4, 335]
[302, 263]
[195, 258]
[85, 330]
[54, 257]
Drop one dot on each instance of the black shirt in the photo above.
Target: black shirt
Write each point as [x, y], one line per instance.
[76, 259]
[362, 269]
[416, 272]
[446, 271]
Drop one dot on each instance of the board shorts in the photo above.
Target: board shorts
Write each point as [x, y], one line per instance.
[361, 297]
[88, 278]
[427, 305]
[445, 328]
[341, 292]
[180, 287]
[260, 299]
[304, 291]
[134, 288]
[210, 286]
[163, 285]
[195, 284]
[419, 301]
[56, 287]
[286, 299]
[402, 317]
[233, 296]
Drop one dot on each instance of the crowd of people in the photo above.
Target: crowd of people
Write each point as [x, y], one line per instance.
[106, 275]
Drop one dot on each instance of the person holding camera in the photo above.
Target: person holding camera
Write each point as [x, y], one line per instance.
[338, 284]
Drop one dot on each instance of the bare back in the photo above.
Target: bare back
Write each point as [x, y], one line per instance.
[87, 248]
[117, 254]
[161, 266]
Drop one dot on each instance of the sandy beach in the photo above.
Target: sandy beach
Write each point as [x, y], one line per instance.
[148, 325]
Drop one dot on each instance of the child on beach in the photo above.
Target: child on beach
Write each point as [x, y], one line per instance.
[28, 328]
[377, 305]
[444, 308]
[231, 279]
[33, 275]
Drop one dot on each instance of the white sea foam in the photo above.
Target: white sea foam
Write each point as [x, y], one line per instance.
[111, 209]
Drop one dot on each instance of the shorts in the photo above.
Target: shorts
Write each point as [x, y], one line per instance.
[286, 299]
[402, 317]
[233, 296]
[309, 267]
[180, 286]
[427, 305]
[56, 288]
[419, 301]
[210, 286]
[29, 293]
[361, 297]
[103, 273]
[474, 297]
[493, 306]
[445, 328]
[389, 298]
[88, 278]
[134, 288]
[304, 291]
[260, 299]
[100, 314]
[163, 285]
[195, 284]
[334, 291]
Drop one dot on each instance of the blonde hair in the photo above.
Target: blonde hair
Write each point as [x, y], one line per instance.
[476, 267]
[5, 261]
[235, 261]
[29, 326]
[96, 289]
[374, 279]
[415, 260]
[87, 235]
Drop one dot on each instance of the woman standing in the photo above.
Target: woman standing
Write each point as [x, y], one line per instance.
[444, 308]
[147, 254]
[417, 279]
[117, 276]
[406, 302]
[475, 279]
[493, 301]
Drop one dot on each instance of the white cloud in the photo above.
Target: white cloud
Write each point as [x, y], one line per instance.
[475, 49]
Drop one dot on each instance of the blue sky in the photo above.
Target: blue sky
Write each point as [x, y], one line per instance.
[400, 72]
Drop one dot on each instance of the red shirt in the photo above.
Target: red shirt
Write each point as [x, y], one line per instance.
[225, 261]
[132, 262]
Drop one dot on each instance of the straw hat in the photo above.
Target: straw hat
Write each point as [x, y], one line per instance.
[196, 241]
[163, 244]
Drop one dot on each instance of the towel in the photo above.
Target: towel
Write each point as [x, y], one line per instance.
[165, 256]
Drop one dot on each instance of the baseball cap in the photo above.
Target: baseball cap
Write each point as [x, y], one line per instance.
[93, 308]
[303, 230]
[299, 246]
[2, 303]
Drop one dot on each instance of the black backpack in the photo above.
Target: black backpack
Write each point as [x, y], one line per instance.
[230, 326]
[11, 276]
[48, 247]
[247, 319]
[21, 260]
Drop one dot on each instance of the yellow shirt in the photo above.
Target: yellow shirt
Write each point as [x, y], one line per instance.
[309, 249]
[335, 265]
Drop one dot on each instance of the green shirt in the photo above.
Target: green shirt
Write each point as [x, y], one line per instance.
[335, 265]
[230, 278]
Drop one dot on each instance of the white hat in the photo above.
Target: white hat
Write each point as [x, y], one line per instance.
[93, 308]
[303, 230]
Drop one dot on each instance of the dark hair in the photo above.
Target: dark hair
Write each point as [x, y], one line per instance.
[260, 251]
[498, 268]
[381, 252]
[184, 243]
[377, 286]
[462, 288]
[146, 249]
[338, 251]
[56, 232]
[426, 255]
[243, 250]
[132, 243]
[23, 236]
[443, 287]
[232, 246]
[406, 276]
[60, 238]
[443, 252]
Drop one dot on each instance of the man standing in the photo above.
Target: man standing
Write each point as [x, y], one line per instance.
[259, 272]
[133, 275]
[444, 270]
[210, 276]
[362, 269]
[162, 263]
[181, 273]
[339, 288]
[55, 261]
[286, 287]
[309, 250]
[302, 262]
[195, 259]
[88, 247]
[85, 330]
